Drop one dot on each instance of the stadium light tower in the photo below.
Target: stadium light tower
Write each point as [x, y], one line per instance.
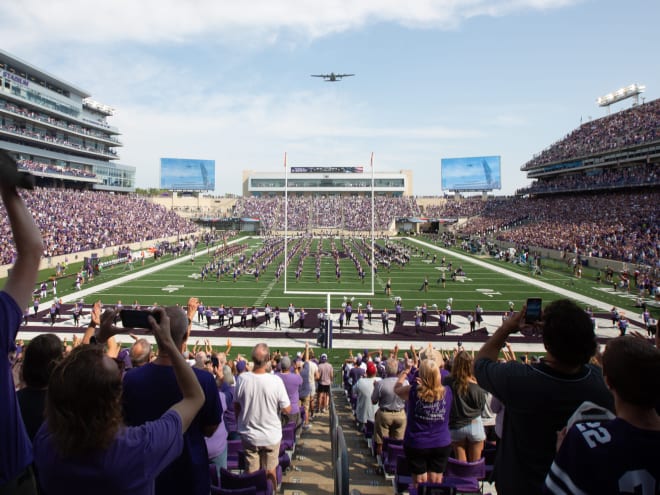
[632, 91]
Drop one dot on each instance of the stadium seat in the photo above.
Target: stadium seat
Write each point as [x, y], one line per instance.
[465, 476]
[256, 480]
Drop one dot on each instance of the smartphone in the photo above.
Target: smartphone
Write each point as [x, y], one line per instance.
[533, 312]
[136, 318]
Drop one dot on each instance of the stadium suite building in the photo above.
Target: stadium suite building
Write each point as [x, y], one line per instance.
[57, 132]
[328, 180]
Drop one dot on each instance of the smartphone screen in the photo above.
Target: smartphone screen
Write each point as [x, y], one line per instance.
[533, 312]
[135, 318]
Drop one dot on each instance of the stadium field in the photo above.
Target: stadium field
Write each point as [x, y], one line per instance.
[492, 284]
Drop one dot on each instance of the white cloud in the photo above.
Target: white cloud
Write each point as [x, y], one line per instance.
[176, 21]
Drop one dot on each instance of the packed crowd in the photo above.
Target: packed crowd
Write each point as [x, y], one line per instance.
[618, 226]
[607, 179]
[345, 213]
[71, 221]
[637, 125]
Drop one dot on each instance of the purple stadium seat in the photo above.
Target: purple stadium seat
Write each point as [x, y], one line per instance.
[465, 476]
[257, 480]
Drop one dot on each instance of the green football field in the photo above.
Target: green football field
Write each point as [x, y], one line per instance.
[482, 285]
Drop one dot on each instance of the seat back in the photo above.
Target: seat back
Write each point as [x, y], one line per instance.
[250, 490]
[465, 476]
[234, 448]
[460, 469]
[257, 480]
[393, 452]
[435, 489]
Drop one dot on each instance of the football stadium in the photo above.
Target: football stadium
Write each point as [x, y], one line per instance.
[331, 263]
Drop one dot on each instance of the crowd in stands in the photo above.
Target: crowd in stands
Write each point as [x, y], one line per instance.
[343, 213]
[610, 178]
[618, 226]
[32, 166]
[635, 126]
[71, 221]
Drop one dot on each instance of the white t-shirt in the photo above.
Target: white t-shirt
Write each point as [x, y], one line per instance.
[261, 396]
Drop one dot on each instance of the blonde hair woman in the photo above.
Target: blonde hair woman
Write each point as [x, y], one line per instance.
[426, 442]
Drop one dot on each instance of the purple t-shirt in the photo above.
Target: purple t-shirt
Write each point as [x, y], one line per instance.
[148, 392]
[129, 466]
[428, 422]
[15, 448]
[292, 383]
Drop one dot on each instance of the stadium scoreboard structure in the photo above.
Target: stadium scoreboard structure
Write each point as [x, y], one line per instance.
[184, 174]
[477, 173]
[327, 180]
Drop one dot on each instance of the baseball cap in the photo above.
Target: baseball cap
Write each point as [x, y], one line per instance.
[324, 357]
[371, 369]
[241, 366]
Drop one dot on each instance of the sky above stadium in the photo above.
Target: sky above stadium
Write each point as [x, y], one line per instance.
[230, 81]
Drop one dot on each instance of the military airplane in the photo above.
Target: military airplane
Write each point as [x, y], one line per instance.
[332, 77]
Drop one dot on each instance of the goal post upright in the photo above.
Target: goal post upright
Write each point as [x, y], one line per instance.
[328, 294]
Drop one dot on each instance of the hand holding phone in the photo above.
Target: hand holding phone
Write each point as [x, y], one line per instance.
[533, 311]
[137, 318]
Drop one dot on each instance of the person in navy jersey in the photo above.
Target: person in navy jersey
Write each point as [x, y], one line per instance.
[426, 441]
[150, 390]
[83, 446]
[621, 455]
[539, 398]
[16, 475]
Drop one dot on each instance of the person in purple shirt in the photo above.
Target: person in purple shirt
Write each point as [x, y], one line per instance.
[292, 382]
[426, 442]
[16, 475]
[150, 390]
[83, 447]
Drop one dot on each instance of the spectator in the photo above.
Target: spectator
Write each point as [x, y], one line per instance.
[326, 375]
[151, 389]
[365, 409]
[390, 418]
[216, 444]
[292, 382]
[260, 399]
[465, 422]
[540, 398]
[621, 455]
[16, 474]
[140, 352]
[41, 356]
[426, 442]
[83, 438]
[309, 374]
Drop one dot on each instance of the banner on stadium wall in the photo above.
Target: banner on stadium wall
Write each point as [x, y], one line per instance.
[327, 170]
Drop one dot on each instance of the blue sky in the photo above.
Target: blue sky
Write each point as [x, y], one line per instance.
[229, 81]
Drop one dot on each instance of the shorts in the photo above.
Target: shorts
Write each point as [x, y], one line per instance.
[472, 432]
[324, 389]
[432, 460]
[264, 457]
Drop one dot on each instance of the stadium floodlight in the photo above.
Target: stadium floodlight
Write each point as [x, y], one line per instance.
[633, 90]
[328, 294]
